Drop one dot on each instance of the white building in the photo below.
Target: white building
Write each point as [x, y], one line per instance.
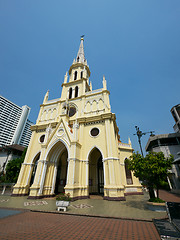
[14, 128]
[169, 144]
[176, 115]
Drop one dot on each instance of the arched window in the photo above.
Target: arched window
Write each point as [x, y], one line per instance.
[76, 91]
[75, 75]
[70, 93]
[128, 174]
[78, 59]
[82, 74]
[34, 168]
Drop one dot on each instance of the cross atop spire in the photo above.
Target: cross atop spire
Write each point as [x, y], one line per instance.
[80, 56]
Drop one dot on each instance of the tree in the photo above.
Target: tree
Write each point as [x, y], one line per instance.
[151, 169]
[13, 168]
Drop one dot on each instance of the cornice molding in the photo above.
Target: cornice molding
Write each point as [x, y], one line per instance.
[42, 126]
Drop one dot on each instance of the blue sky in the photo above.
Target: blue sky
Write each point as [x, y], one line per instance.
[134, 43]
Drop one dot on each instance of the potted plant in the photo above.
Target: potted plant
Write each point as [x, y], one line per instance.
[62, 201]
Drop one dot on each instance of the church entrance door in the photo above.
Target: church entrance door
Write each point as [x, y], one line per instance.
[61, 173]
[96, 173]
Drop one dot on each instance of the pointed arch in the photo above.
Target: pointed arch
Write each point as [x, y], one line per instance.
[88, 107]
[55, 154]
[95, 173]
[75, 75]
[32, 172]
[76, 91]
[70, 93]
[94, 105]
[128, 173]
[54, 113]
[90, 151]
[43, 116]
[35, 156]
[49, 114]
[101, 104]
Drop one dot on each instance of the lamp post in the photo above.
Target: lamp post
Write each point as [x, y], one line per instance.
[139, 134]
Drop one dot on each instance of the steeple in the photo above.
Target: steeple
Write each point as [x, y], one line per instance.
[80, 56]
[79, 68]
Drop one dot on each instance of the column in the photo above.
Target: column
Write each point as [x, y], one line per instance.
[87, 173]
[54, 178]
[21, 174]
[42, 178]
[104, 170]
[31, 165]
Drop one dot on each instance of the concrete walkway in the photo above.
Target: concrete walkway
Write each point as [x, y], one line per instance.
[135, 207]
[17, 223]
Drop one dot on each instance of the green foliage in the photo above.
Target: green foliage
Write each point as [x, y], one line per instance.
[13, 168]
[164, 185]
[63, 197]
[151, 169]
[156, 200]
[2, 177]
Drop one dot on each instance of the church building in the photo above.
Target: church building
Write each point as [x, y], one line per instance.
[75, 146]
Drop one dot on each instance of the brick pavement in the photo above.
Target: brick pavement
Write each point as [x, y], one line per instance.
[32, 225]
[168, 196]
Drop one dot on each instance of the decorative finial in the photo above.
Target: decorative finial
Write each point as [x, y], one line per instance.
[90, 86]
[65, 78]
[104, 83]
[46, 97]
[82, 37]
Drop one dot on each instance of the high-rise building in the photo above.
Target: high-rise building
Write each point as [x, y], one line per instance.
[14, 123]
[15, 132]
[75, 145]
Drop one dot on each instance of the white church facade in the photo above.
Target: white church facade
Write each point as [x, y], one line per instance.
[75, 145]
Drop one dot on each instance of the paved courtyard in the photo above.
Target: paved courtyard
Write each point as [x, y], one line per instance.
[135, 207]
[106, 220]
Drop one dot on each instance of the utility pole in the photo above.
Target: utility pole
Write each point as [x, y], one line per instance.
[139, 134]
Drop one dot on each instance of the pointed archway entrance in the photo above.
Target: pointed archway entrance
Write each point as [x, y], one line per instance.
[96, 173]
[61, 172]
[56, 173]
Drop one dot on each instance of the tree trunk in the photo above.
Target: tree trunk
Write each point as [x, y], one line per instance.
[151, 192]
[157, 192]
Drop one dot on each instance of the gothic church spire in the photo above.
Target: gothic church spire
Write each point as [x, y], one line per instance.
[80, 56]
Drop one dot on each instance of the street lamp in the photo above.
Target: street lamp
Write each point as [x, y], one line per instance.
[139, 134]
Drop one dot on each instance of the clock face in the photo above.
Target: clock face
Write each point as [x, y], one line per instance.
[72, 111]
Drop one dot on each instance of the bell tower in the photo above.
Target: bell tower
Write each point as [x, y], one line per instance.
[79, 73]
